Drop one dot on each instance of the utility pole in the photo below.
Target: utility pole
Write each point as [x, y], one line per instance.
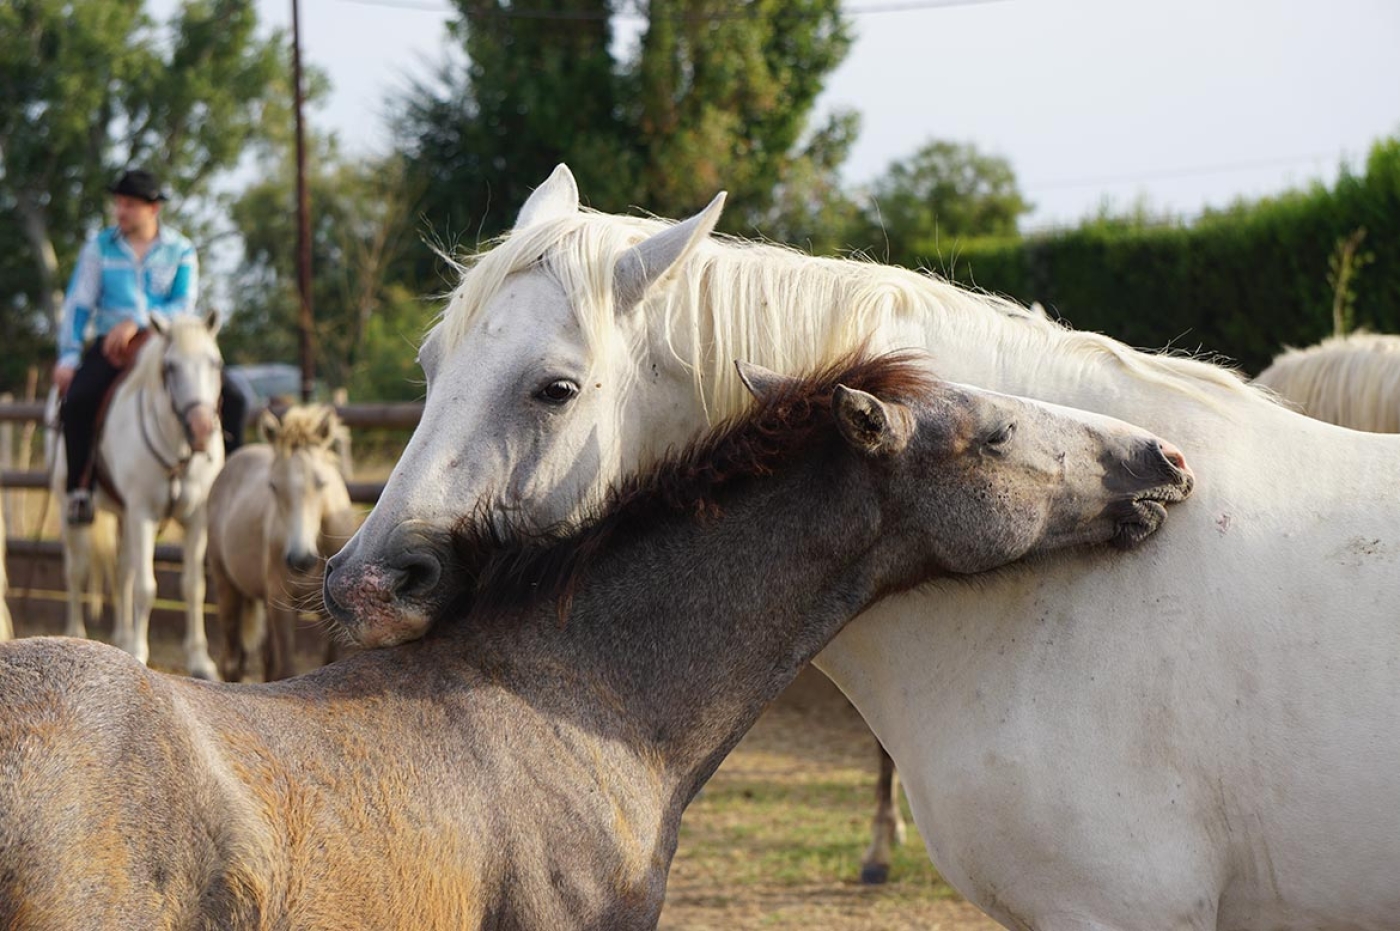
[306, 321]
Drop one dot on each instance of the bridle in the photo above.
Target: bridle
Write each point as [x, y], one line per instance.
[177, 466]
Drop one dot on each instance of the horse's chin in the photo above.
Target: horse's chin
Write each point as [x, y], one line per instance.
[1142, 518]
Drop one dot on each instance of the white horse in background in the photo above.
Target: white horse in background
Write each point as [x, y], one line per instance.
[161, 448]
[1201, 734]
[276, 511]
[1352, 381]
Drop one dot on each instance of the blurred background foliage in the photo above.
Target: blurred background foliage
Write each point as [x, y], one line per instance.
[707, 97]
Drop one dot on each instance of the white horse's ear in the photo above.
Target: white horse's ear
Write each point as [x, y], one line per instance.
[212, 321]
[640, 266]
[268, 426]
[761, 382]
[557, 197]
[869, 424]
[326, 426]
[159, 322]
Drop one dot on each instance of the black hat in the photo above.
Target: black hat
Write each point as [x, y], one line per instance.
[141, 184]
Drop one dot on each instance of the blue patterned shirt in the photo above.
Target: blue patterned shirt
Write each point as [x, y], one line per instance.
[110, 285]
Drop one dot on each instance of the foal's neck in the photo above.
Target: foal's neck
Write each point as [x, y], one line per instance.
[689, 629]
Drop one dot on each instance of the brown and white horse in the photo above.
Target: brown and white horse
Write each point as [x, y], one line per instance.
[527, 762]
[276, 512]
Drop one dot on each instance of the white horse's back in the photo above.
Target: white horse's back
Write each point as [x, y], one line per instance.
[1352, 381]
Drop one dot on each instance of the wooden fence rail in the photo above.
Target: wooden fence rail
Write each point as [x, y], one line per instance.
[396, 416]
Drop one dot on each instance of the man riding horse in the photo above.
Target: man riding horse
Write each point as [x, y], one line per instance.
[123, 274]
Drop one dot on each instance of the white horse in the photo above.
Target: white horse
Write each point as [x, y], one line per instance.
[1352, 380]
[161, 449]
[1203, 734]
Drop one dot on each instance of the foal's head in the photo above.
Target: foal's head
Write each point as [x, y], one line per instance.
[969, 480]
[304, 478]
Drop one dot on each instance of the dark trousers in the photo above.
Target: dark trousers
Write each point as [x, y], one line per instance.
[89, 386]
[233, 414]
[90, 383]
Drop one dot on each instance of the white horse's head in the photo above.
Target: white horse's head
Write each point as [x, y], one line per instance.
[184, 360]
[307, 488]
[583, 346]
[536, 376]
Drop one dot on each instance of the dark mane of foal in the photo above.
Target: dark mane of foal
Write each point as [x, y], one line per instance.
[501, 568]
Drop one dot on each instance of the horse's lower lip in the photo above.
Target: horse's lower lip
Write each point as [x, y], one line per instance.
[1148, 518]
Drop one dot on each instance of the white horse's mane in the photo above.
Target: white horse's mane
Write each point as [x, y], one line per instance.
[786, 310]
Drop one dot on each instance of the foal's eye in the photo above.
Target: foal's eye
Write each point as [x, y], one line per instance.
[557, 392]
[999, 437]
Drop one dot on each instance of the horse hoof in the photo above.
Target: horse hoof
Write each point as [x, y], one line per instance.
[207, 673]
[874, 874]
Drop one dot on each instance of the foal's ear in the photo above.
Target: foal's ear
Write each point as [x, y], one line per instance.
[869, 424]
[212, 321]
[761, 382]
[557, 197]
[640, 266]
[326, 426]
[269, 426]
[159, 322]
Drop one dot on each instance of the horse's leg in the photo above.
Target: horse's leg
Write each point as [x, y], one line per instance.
[887, 827]
[279, 646]
[197, 659]
[77, 551]
[232, 606]
[138, 585]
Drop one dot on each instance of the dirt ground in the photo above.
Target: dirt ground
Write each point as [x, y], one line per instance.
[810, 737]
[775, 839]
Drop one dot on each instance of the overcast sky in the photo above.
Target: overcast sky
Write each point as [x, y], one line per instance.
[1185, 103]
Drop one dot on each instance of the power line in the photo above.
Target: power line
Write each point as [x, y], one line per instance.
[1185, 172]
[429, 6]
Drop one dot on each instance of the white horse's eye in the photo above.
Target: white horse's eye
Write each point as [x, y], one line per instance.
[557, 392]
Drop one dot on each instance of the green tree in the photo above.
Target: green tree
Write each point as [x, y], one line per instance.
[810, 209]
[715, 95]
[362, 225]
[946, 190]
[92, 85]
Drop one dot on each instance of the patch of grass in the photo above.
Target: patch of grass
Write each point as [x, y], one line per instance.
[789, 832]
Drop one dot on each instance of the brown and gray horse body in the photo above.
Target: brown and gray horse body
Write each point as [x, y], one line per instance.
[276, 511]
[526, 764]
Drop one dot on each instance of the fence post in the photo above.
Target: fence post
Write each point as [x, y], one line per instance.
[20, 511]
[7, 462]
[341, 397]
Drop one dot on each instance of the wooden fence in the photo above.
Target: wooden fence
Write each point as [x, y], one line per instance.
[35, 571]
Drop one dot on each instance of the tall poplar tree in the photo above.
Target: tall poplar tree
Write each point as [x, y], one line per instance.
[711, 94]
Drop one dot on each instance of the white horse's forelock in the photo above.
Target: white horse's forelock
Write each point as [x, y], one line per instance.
[186, 333]
[762, 288]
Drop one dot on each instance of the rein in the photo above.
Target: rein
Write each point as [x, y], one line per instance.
[176, 470]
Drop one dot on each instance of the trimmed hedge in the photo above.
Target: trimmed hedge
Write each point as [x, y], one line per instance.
[1241, 283]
